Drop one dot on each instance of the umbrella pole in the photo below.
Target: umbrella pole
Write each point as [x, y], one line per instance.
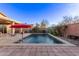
[22, 33]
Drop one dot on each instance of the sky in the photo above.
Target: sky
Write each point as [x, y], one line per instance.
[32, 13]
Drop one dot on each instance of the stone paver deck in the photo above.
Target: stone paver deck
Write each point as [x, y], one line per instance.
[73, 41]
[32, 50]
[7, 38]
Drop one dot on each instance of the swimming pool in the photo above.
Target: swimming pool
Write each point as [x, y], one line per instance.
[40, 38]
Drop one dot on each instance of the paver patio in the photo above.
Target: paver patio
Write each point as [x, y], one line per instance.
[32, 50]
[7, 38]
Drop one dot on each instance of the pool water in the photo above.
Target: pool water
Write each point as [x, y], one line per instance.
[40, 38]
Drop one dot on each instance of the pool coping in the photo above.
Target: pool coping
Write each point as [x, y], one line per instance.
[62, 40]
[17, 44]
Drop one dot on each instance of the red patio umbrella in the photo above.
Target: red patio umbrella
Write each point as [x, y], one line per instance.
[21, 26]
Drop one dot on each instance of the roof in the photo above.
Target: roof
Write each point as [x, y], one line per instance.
[2, 14]
[6, 20]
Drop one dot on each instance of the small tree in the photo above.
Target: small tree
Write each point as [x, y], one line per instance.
[62, 26]
[66, 20]
[36, 28]
[76, 19]
[53, 29]
[43, 25]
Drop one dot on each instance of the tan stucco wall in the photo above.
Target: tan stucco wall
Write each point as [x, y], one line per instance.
[72, 29]
[8, 29]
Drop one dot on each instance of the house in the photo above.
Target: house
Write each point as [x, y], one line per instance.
[5, 23]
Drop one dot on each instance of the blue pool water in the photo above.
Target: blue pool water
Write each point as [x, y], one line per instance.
[40, 38]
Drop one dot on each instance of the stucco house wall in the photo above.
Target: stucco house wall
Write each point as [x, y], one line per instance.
[72, 29]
